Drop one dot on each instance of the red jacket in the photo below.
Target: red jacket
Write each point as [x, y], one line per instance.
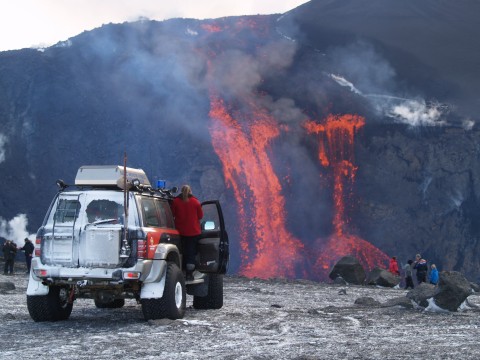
[393, 267]
[187, 216]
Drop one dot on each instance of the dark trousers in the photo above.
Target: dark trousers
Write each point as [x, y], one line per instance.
[28, 260]
[421, 277]
[8, 266]
[409, 282]
[189, 245]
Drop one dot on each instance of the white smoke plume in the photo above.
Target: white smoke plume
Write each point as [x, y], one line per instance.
[15, 229]
[3, 141]
[418, 113]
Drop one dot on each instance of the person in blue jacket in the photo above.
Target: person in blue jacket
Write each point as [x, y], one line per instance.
[434, 275]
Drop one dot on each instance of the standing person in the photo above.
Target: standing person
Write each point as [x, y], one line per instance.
[188, 212]
[434, 275]
[9, 252]
[408, 267]
[422, 268]
[28, 248]
[393, 266]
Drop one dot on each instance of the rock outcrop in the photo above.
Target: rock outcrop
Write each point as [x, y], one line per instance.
[382, 277]
[349, 269]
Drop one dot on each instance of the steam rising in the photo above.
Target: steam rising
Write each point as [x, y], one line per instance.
[15, 229]
[370, 76]
[417, 113]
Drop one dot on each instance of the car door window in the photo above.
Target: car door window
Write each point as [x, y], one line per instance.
[150, 212]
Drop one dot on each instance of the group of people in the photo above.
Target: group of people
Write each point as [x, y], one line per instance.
[10, 253]
[421, 270]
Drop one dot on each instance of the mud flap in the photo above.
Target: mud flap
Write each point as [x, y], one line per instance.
[35, 287]
[154, 284]
[198, 289]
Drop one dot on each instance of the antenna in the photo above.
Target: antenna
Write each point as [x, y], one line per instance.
[125, 250]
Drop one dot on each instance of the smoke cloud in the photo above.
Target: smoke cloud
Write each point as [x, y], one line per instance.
[366, 73]
[15, 229]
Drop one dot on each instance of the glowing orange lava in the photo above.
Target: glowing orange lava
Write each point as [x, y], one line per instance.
[211, 28]
[269, 249]
[336, 151]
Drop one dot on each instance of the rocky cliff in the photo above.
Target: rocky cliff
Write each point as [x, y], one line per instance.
[317, 146]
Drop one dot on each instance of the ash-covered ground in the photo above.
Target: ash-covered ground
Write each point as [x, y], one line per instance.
[275, 319]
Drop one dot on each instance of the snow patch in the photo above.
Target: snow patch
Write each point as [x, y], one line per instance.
[196, 322]
[432, 307]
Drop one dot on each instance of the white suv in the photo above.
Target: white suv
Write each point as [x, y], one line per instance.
[113, 237]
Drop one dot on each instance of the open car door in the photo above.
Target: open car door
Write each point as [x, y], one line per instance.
[212, 249]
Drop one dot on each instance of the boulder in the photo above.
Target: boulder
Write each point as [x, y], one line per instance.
[367, 301]
[349, 269]
[421, 293]
[399, 301]
[453, 289]
[475, 287]
[382, 277]
[7, 285]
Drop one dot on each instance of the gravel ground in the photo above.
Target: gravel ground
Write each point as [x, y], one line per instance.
[275, 319]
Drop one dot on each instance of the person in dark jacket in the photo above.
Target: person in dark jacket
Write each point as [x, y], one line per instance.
[408, 267]
[188, 212]
[9, 252]
[28, 248]
[421, 267]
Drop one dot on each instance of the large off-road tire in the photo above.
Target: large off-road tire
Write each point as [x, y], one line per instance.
[214, 299]
[173, 302]
[54, 306]
[115, 304]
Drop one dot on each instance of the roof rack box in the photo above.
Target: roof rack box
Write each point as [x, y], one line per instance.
[108, 175]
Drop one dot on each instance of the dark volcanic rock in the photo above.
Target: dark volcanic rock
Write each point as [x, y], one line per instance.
[475, 287]
[7, 285]
[382, 277]
[421, 293]
[349, 269]
[339, 281]
[367, 301]
[400, 301]
[453, 290]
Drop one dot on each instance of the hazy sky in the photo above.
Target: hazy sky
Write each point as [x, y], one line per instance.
[37, 23]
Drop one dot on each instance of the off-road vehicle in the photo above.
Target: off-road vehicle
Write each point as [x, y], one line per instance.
[111, 237]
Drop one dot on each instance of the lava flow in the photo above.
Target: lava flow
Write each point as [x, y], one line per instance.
[268, 248]
[336, 150]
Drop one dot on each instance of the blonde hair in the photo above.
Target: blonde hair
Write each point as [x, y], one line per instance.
[433, 266]
[186, 192]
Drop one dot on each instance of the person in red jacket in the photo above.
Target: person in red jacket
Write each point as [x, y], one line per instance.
[188, 212]
[393, 267]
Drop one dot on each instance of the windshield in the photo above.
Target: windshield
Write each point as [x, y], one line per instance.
[90, 207]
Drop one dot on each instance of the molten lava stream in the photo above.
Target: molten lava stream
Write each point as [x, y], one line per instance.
[269, 250]
[336, 150]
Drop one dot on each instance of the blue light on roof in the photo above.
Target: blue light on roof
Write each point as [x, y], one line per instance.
[161, 184]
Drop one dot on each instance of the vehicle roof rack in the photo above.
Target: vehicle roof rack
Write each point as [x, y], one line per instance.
[109, 175]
